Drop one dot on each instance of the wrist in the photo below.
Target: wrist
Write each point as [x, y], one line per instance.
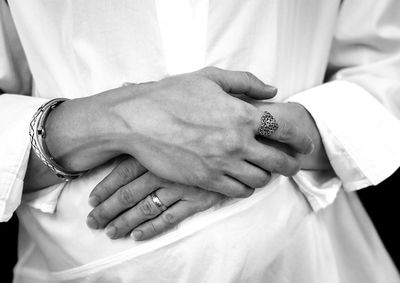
[130, 116]
[79, 136]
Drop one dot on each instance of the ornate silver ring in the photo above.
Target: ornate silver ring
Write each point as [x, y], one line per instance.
[268, 125]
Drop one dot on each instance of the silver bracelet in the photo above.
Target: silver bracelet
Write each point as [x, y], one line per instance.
[37, 133]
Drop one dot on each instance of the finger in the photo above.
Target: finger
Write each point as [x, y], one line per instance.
[143, 211]
[250, 175]
[272, 159]
[124, 198]
[240, 83]
[231, 187]
[128, 170]
[167, 220]
[289, 134]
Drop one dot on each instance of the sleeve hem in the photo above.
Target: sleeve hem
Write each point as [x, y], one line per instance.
[16, 114]
[346, 112]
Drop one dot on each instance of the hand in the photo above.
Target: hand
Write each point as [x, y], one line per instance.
[123, 202]
[189, 130]
[294, 117]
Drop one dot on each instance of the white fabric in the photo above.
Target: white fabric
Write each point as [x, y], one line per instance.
[14, 123]
[78, 48]
[356, 161]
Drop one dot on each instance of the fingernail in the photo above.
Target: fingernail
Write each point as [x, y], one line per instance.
[137, 234]
[272, 89]
[310, 148]
[93, 201]
[111, 231]
[91, 222]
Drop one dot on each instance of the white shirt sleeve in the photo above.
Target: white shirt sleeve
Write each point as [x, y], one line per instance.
[357, 111]
[16, 112]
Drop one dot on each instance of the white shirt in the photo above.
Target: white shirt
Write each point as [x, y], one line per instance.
[79, 48]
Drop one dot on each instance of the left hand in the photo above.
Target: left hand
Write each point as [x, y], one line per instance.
[126, 207]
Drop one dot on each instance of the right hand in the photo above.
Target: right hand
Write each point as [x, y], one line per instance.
[189, 129]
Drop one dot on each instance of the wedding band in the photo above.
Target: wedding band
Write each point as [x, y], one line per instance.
[158, 202]
[268, 125]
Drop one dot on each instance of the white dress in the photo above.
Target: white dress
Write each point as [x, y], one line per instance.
[309, 228]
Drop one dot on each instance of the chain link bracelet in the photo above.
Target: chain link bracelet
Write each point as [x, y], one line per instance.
[37, 133]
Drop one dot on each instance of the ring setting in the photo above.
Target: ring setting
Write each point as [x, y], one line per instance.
[268, 125]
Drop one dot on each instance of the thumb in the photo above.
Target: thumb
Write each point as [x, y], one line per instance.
[237, 82]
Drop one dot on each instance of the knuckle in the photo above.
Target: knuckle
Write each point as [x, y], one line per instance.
[286, 132]
[169, 219]
[244, 115]
[249, 76]
[147, 209]
[202, 182]
[124, 172]
[232, 141]
[126, 196]
[204, 179]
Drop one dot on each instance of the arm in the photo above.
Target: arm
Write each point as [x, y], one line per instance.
[73, 137]
[357, 111]
[167, 125]
[353, 133]
[15, 114]
[211, 149]
[123, 205]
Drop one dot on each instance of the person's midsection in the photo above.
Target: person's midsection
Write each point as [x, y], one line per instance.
[255, 227]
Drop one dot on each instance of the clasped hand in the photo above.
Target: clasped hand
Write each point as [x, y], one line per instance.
[200, 146]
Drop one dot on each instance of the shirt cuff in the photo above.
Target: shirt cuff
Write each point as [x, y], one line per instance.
[319, 187]
[16, 112]
[360, 136]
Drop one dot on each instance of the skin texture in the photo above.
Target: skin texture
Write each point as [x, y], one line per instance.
[188, 129]
[130, 205]
[194, 130]
[194, 133]
[121, 200]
